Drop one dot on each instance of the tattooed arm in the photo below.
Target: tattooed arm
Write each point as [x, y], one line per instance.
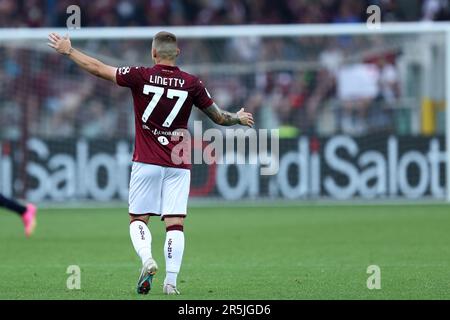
[226, 118]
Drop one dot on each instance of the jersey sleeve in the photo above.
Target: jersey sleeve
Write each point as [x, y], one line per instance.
[202, 98]
[128, 76]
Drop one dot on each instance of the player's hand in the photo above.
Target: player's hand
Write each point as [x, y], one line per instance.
[60, 44]
[245, 118]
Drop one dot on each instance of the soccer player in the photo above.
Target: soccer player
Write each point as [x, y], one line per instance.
[163, 97]
[27, 213]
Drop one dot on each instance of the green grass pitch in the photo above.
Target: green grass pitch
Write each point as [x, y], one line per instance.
[304, 252]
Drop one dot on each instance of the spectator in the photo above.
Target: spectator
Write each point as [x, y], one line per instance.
[52, 13]
[285, 81]
[389, 81]
[357, 88]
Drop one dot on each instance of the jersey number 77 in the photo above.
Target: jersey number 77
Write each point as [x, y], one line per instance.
[157, 94]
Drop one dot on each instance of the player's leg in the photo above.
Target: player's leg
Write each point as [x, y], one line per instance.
[174, 207]
[173, 252]
[144, 200]
[141, 236]
[27, 213]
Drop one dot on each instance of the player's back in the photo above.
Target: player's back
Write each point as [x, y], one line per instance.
[163, 97]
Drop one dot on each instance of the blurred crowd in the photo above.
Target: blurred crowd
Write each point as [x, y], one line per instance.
[312, 85]
[51, 13]
[337, 87]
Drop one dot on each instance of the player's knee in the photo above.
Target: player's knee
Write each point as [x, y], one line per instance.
[172, 221]
[144, 217]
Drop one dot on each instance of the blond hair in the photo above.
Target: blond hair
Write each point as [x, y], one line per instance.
[165, 44]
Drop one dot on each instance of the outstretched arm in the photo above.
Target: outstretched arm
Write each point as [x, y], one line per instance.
[63, 45]
[226, 118]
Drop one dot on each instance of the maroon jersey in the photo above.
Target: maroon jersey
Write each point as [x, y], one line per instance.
[163, 97]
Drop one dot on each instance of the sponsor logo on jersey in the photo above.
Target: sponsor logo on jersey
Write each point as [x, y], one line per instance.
[124, 70]
[163, 140]
[178, 133]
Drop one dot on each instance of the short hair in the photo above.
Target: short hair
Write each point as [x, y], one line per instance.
[165, 44]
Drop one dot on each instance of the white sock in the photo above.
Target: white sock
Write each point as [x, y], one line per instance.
[173, 251]
[142, 239]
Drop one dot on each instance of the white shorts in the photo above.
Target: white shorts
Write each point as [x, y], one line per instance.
[157, 190]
